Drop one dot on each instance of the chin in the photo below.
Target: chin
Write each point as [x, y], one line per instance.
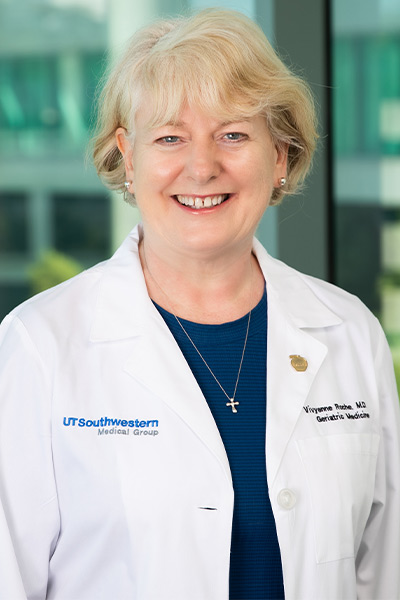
[207, 244]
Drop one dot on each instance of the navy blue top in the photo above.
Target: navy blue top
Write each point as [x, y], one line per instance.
[255, 569]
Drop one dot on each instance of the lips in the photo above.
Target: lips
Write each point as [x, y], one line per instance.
[198, 203]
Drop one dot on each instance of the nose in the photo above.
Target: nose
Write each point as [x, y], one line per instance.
[203, 163]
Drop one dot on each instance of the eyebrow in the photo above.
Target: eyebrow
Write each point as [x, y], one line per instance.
[183, 124]
[172, 123]
[241, 120]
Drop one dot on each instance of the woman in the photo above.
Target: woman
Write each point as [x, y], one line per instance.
[137, 441]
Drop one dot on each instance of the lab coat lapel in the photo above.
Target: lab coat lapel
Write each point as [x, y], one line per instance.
[161, 367]
[287, 389]
[293, 312]
[125, 311]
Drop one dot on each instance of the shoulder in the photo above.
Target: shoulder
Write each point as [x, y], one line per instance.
[336, 298]
[330, 314]
[44, 323]
[68, 308]
[54, 300]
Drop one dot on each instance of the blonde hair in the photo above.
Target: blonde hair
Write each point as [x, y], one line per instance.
[219, 61]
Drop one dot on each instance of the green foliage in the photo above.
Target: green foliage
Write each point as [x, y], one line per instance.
[389, 279]
[397, 373]
[51, 269]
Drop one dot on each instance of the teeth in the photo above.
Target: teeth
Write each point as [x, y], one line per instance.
[202, 202]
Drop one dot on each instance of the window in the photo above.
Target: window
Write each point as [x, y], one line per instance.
[366, 127]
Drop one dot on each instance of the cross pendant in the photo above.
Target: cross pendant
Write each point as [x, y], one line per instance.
[232, 404]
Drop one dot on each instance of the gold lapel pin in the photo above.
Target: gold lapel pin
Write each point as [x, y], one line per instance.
[298, 362]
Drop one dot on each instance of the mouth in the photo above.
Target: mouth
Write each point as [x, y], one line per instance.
[198, 203]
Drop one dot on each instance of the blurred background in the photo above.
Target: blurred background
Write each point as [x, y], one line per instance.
[57, 219]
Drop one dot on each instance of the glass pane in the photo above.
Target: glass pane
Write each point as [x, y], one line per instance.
[13, 223]
[82, 225]
[366, 126]
[11, 295]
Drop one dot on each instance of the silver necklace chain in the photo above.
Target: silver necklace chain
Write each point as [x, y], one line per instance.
[232, 403]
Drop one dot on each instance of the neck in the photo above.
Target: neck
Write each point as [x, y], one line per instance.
[210, 289]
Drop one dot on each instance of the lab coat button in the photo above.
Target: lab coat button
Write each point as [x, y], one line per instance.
[286, 499]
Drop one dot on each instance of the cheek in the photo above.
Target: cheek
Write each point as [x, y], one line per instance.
[263, 187]
[155, 172]
[263, 180]
[269, 171]
[166, 170]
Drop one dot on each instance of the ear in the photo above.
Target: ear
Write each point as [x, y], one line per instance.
[126, 150]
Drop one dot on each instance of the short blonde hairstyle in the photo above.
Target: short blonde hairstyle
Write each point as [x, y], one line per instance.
[219, 61]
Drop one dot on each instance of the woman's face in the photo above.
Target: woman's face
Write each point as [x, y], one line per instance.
[202, 185]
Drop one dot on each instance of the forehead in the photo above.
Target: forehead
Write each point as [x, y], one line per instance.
[148, 119]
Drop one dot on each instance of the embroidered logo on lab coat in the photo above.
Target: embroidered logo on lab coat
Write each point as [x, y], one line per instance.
[107, 426]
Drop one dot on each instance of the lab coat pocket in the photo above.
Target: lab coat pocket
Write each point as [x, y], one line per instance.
[340, 473]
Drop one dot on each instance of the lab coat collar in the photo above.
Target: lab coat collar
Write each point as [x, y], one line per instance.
[288, 288]
[123, 303]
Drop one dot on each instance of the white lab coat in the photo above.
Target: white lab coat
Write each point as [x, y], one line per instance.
[93, 510]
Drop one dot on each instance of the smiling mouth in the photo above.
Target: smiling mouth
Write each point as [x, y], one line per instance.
[199, 203]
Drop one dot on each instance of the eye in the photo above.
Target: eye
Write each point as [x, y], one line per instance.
[235, 136]
[168, 140]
